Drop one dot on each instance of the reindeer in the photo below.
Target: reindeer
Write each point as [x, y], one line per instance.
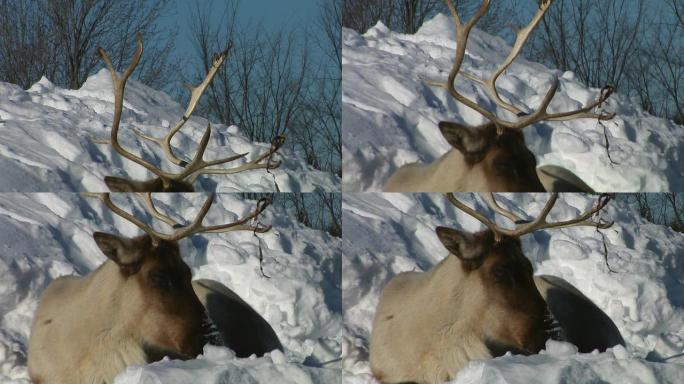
[139, 306]
[492, 156]
[183, 180]
[480, 302]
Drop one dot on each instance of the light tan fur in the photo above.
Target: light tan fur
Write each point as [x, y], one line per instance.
[481, 301]
[421, 331]
[81, 335]
[139, 306]
[449, 173]
[430, 325]
[480, 160]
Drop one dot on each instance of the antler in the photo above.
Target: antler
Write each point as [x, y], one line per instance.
[119, 84]
[181, 231]
[198, 165]
[522, 34]
[195, 94]
[276, 143]
[524, 227]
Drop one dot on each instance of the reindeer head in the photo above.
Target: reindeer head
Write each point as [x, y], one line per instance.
[503, 161]
[496, 151]
[499, 288]
[169, 181]
[157, 299]
[498, 278]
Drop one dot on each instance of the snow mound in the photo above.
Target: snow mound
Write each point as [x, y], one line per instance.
[643, 294]
[612, 366]
[390, 115]
[47, 141]
[217, 366]
[45, 236]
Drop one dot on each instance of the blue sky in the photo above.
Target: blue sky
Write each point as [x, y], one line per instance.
[274, 14]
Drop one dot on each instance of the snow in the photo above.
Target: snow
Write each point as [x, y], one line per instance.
[47, 141]
[217, 365]
[613, 366]
[385, 234]
[390, 115]
[44, 236]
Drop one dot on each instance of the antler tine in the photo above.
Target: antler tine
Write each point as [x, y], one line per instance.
[195, 94]
[238, 225]
[539, 222]
[580, 220]
[462, 34]
[201, 167]
[491, 201]
[119, 84]
[198, 162]
[522, 34]
[197, 227]
[584, 112]
[498, 231]
[193, 228]
[106, 199]
[149, 205]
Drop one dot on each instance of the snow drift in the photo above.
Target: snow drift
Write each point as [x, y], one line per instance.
[44, 236]
[640, 285]
[46, 141]
[390, 116]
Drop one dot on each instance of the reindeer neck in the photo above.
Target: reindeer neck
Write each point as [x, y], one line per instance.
[113, 342]
[459, 175]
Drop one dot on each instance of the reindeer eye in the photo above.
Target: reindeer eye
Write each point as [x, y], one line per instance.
[503, 276]
[161, 280]
[506, 167]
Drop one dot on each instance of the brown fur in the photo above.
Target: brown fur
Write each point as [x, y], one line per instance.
[118, 184]
[480, 161]
[477, 302]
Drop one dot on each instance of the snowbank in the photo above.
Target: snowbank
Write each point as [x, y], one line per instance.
[46, 142]
[44, 236]
[393, 233]
[390, 117]
[217, 365]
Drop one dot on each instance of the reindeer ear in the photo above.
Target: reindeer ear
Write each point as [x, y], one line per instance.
[119, 250]
[117, 184]
[470, 141]
[462, 245]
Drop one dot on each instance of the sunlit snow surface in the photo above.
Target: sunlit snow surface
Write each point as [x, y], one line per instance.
[44, 236]
[46, 142]
[390, 117]
[386, 234]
